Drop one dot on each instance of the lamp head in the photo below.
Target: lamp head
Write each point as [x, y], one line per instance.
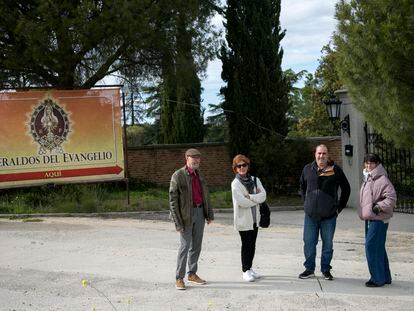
[333, 107]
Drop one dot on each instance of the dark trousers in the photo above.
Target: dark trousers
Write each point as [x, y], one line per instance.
[248, 247]
[378, 264]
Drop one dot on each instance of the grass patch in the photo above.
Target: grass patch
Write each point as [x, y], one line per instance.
[101, 198]
[221, 199]
[284, 200]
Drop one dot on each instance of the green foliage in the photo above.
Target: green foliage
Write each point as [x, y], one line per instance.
[83, 198]
[108, 198]
[216, 133]
[279, 162]
[135, 135]
[255, 96]
[375, 56]
[314, 120]
[295, 95]
[64, 199]
[307, 108]
[72, 43]
[144, 134]
[189, 44]
[221, 199]
[217, 129]
[138, 185]
[152, 199]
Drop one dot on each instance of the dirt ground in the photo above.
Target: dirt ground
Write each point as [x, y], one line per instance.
[129, 264]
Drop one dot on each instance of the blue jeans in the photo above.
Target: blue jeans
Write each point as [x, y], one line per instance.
[378, 265]
[311, 230]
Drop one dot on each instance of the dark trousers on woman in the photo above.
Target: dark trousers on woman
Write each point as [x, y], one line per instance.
[248, 247]
[375, 236]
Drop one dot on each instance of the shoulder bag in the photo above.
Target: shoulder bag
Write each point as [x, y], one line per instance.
[264, 212]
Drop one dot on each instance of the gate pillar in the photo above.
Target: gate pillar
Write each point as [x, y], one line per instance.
[353, 141]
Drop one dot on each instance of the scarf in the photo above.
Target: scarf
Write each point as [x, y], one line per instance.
[326, 171]
[246, 181]
[366, 174]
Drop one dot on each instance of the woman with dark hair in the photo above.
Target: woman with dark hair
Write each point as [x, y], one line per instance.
[247, 193]
[377, 201]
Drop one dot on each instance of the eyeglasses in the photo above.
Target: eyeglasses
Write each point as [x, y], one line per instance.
[241, 165]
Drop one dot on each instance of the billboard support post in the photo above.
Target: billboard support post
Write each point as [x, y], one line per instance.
[125, 148]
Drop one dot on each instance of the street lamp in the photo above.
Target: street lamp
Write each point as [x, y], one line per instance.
[333, 108]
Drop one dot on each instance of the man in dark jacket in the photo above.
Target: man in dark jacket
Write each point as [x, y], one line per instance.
[190, 209]
[319, 188]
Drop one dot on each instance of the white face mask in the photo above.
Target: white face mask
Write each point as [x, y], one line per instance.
[366, 174]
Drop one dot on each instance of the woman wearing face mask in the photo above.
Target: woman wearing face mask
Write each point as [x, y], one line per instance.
[247, 193]
[377, 201]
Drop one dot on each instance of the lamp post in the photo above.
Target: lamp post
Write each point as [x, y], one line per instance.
[333, 108]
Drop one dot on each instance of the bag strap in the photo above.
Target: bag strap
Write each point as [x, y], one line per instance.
[255, 183]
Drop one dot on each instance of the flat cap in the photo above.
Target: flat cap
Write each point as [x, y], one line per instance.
[192, 152]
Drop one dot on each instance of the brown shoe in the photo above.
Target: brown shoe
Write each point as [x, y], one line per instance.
[179, 284]
[194, 278]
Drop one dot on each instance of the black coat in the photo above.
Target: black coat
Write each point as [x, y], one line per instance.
[319, 190]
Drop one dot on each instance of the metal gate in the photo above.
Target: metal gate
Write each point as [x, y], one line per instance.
[399, 164]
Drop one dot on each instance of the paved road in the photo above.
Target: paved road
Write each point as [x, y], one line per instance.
[129, 264]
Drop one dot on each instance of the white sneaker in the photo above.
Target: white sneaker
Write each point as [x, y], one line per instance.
[255, 274]
[248, 277]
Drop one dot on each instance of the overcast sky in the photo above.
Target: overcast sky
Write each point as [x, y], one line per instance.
[309, 26]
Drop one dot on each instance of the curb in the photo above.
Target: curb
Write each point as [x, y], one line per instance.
[272, 209]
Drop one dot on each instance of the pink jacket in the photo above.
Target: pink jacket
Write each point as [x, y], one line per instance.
[377, 189]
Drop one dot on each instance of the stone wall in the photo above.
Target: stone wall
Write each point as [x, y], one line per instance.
[156, 163]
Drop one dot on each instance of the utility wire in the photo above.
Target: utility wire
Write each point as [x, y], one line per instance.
[232, 111]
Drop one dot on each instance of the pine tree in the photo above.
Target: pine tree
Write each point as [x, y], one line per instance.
[69, 44]
[255, 95]
[375, 53]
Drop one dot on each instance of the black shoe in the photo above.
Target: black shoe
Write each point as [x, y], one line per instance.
[306, 274]
[327, 275]
[371, 284]
[388, 282]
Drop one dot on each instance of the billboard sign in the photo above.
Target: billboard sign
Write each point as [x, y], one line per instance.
[51, 136]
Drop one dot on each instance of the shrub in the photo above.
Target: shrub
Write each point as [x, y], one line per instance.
[279, 162]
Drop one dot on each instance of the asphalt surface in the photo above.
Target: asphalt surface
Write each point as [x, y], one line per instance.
[128, 263]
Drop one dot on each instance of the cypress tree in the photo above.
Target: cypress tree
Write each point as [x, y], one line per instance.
[255, 95]
[168, 98]
[189, 44]
[188, 119]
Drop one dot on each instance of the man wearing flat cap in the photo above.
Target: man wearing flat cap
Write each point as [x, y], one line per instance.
[190, 209]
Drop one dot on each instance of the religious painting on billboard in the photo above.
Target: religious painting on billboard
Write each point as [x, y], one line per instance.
[51, 136]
